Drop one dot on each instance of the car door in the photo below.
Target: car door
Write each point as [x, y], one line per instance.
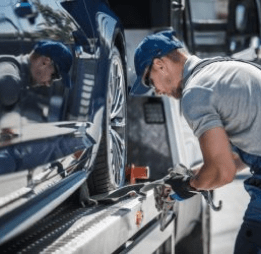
[11, 41]
[44, 134]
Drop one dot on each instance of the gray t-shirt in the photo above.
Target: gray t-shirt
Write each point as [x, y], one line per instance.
[225, 94]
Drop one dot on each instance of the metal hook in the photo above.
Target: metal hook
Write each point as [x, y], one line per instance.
[209, 200]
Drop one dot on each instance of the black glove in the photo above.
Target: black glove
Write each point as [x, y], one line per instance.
[181, 187]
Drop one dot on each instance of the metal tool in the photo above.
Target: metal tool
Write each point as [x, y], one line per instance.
[165, 204]
[209, 199]
[162, 192]
[206, 194]
[173, 172]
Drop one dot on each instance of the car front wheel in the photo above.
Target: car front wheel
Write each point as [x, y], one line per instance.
[109, 168]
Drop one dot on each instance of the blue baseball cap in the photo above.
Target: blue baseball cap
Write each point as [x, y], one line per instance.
[153, 46]
[61, 56]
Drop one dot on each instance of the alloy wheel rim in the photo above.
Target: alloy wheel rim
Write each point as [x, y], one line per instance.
[117, 122]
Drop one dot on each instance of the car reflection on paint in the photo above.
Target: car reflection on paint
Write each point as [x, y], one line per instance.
[57, 138]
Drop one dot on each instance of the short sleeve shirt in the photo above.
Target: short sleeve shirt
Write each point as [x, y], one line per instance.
[14, 76]
[224, 94]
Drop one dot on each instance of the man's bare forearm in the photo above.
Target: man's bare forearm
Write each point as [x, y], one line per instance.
[209, 179]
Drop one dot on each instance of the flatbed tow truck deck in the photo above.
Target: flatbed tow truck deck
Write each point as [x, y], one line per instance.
[129, 226]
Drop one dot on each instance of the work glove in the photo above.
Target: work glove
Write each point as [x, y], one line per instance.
[181, 187]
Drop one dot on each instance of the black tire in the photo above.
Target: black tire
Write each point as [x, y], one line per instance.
[109, 168]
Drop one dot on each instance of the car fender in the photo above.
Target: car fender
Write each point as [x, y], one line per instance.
[108, 38]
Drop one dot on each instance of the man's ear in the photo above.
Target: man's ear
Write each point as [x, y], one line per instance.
[46, 60]
[159, 64]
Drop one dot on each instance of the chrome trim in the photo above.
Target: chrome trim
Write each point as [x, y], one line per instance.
[25, 216]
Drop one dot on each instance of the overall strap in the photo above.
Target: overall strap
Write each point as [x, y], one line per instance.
[12, 59]
[206, 62]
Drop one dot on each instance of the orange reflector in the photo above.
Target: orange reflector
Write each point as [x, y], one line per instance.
[134, 173]
[139, 217]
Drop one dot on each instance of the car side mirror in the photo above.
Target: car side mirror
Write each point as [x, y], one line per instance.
[24, 10]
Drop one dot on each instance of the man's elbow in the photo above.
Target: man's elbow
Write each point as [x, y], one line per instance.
[212, 177]
[227, 175]
[228, 179]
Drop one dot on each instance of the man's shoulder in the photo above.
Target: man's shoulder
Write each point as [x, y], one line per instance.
[9, 62]
[10, 80]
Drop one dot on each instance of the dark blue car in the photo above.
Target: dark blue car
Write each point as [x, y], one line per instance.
[67, 134]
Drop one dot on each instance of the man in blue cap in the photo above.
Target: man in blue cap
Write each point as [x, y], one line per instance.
[221, 103]
[49, 61]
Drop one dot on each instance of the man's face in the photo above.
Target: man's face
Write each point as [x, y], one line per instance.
[165, 77]
[42, 70]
